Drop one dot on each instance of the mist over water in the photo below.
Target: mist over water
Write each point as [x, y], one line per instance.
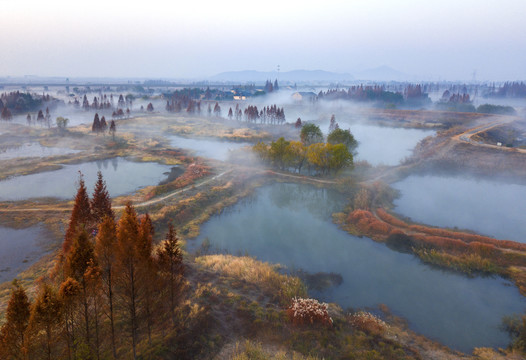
[490, 208]
[290, 224]
[381, 145]
[33, 150]
[122, 177]
[208, 148]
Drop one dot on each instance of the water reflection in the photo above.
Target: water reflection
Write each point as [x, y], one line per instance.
[122, 177]
[488, 207]
[290, 224]
[213, 149]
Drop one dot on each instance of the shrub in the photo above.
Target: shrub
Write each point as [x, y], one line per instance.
[390, 219]
[369, 323]
[308, 311]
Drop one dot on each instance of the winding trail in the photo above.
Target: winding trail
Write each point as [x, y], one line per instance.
[167, 196]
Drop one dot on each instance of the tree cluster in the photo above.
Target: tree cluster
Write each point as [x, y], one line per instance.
[311, 152]
[16, 102]
[109, 291]
[269, 87]
[185, 99]
[511, 90]
[267, 115]
[324, 158]
[100, 126]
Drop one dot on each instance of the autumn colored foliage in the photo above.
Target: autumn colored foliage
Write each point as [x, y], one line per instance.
[308, 311]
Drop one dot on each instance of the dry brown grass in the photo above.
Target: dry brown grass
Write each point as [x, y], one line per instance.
[261, 274]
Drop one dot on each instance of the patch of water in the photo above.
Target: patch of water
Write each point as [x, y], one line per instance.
[122, 177]
[19, 249]
[208, 148]
[290, 224]
[383, 145]
[488, 207]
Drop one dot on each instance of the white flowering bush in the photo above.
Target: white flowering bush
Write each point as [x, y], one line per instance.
[368, 322]
[308, 311]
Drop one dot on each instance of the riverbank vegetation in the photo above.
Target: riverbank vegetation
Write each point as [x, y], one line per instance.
[456, 250]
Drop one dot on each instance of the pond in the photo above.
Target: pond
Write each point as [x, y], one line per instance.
[291, 224]
[383, 145]
[122, 177]
[207, 148]
[32, 150]
[490, 208]
[19, 249]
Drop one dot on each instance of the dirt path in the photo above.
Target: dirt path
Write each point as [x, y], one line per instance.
[164, 197]
[466, 135]
[137, 205]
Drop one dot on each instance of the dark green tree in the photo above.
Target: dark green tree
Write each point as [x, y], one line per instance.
[311, 134]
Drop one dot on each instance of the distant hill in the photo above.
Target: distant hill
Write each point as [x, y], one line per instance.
[292, 76]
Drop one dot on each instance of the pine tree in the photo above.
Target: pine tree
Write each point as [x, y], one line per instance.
[78, 260]
[96, 124]
[127, 262]
[103, 124]
[105, 244]
[170, 261]
[80, 215]
[101, 202]
[12, 335]
[69, 295]
[113, 129]
[44, 321]
[147, 273]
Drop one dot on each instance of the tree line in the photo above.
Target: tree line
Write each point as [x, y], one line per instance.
[109, 290]
[311, 152]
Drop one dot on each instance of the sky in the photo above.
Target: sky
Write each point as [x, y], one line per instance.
[430, 39]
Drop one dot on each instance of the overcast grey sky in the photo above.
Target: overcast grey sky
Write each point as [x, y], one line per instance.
[443, 39]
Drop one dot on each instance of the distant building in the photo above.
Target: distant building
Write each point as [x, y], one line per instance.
[304, 96]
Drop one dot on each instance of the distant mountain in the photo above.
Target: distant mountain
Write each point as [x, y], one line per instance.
[292, 76]
[382, 73]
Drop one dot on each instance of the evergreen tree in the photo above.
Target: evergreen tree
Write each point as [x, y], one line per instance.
[12, 335]
[217, 109]
[146, 271]
[103, 124]
[113, 129]
[69, 295]
[101, 202]
[170, 261]
[80, 256]
[96, 124]
[80, 215]
[44, 322]
[127, 261]
[105, 244]
[298, 124]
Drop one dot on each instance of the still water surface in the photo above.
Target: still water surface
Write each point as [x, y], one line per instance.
[122, 177]
[488, 207]
[383, 145]
[19, 248]
[291, 224]
[208, 148]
